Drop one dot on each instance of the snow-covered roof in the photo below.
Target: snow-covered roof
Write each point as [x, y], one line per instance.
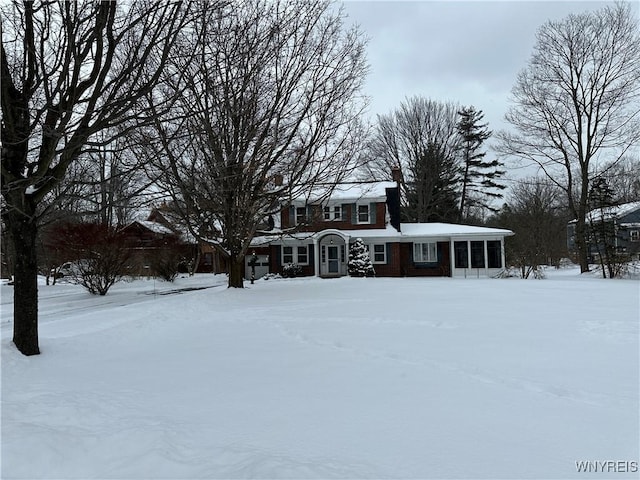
[154, 227]
[409, 231]
[608, 213]
[448, 230]
[370, 191]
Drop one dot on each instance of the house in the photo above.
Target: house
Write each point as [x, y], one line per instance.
[621, 221]
[315, 233]
[163, 233]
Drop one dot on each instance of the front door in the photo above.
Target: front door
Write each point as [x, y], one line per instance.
[333, 260]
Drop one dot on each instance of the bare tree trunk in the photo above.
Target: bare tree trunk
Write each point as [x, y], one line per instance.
[236, 271]
[23, 231]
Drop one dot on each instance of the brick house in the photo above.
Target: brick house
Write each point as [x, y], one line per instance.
[316, 234]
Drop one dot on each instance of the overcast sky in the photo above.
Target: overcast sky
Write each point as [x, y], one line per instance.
[466, 52]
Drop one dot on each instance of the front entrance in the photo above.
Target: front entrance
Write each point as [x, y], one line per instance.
[333, 262]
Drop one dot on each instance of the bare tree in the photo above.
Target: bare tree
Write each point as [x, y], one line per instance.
[420, 138]
[267, 110]
[68, 71]
[624, 178]
[577, 103]
[536, 213]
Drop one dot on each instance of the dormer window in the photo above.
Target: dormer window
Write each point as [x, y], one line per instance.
[363, 213]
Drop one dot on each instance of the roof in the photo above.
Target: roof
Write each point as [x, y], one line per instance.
[448, 230]
[409, 232]
[608, 213]
[154, 227]
[352, 191]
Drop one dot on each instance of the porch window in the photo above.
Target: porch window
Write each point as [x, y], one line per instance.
[425, 252]
[378, 253]
[477, 254]
[461, 253]
[494, 254]
[363, 213]
[634, 235]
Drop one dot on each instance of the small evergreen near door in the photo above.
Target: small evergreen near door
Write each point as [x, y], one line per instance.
[359, 260]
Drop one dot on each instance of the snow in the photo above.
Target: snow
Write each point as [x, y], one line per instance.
[349, 192]
[449, 230]
[616, 211]
[313, 378]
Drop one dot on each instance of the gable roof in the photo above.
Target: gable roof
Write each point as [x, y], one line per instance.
[348, 192]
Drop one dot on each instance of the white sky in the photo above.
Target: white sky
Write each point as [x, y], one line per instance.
[468, 52]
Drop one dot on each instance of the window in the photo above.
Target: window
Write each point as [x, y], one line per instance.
[378, 253]
[363, 213]
[303, 257]
[333, 213]
[461, 254]
[301, 215]
[425, 252]
[494, 254]
[477, 254]
[299, 255]
[634, 235]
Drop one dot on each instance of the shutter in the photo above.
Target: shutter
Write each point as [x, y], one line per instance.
[372, 212]
[354, 214]
[278, 255]
[292, 216]
[309, 214]
[344, 212]
[310, 257]
[387, 246]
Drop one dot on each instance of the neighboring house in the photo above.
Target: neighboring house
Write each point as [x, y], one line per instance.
[164, 229]
[316, 235]
[622, 220]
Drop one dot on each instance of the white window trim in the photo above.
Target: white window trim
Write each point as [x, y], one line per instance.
[329, 213]
[429, 251]
[634, 235]
[294, 254]
[372, 253]
[304, 216]
[358, 213]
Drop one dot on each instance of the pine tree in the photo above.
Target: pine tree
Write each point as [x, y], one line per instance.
[479, 177]
[602, 227]
[432, 195]
[359, 260]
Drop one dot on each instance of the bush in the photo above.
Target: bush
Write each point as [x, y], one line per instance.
[291, 270]
[101, 254]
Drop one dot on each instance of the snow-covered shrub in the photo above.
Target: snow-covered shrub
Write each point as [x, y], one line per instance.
[291, 270]
[359, 261]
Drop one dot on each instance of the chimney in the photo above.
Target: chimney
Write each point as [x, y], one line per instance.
[278, 179]
[396, 174]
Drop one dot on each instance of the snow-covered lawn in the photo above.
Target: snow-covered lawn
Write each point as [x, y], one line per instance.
[311, 378]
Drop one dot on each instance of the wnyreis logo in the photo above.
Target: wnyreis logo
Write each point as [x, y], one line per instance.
[609, 466]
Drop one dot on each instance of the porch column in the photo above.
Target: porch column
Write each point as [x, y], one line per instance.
[316, 256]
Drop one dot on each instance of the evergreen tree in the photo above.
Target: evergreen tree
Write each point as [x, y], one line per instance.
[359, 260]
[602, 228]
[432, 194]
[479, 177]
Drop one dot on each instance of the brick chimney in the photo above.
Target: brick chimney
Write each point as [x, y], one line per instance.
[278, 179]
[396, 174]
